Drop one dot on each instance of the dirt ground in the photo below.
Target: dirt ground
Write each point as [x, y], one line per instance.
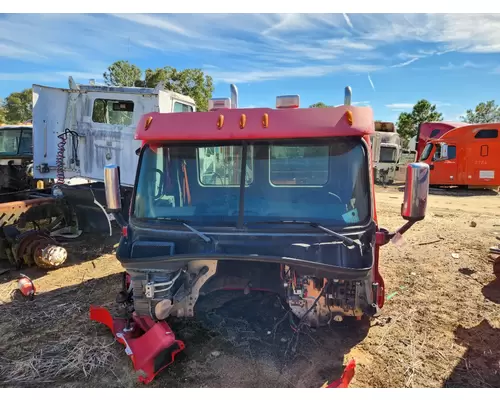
[440, 326]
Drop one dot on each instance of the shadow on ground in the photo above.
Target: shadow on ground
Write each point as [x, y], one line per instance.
[492, 291]
[480, 364]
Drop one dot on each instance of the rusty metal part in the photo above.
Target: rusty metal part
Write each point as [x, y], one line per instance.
[50, 256]
[185, 306]
[37, 248]
[322, 313]
[11, 211]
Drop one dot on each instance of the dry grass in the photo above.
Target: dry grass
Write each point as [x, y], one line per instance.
[51, 340]
[77, 356]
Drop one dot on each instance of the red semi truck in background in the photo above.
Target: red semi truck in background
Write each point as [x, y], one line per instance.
[433, 130]
[465, 157]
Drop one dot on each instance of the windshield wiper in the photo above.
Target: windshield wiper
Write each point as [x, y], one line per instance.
[184, 222]
[346, 240]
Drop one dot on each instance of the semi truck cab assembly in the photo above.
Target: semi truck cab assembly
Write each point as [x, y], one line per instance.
[279, 200]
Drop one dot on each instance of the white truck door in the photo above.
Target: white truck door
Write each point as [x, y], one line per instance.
[108, 133]
[49, 121]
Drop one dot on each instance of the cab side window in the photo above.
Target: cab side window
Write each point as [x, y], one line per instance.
[180, 107]
[427, 152]
[434, 133]
[486, 134]
[437, 153]
[452, 152]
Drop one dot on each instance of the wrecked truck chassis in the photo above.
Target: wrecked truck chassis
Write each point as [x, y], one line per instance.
[33, 246]
[151, 343]
[74, 210]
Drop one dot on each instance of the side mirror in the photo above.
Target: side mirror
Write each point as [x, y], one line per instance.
[112, 188]
[444, 151]
[416, 192]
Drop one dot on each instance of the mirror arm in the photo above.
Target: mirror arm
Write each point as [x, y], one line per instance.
[384, 236]
[119, 219]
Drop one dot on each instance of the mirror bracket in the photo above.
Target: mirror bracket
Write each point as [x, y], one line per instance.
[383, 236]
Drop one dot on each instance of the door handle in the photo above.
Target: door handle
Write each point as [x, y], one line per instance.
[431, 166]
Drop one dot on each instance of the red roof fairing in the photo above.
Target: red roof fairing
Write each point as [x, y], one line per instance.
[283, 124]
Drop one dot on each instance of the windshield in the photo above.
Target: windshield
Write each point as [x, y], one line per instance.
[15, 141]
[387, 154]
[322, 181]
[427, 152]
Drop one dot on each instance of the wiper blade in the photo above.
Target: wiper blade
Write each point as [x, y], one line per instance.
[185, 223]
[346, 240]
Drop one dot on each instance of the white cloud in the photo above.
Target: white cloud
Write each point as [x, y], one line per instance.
[400, 106]
[348, 20]
[51, 76]
[371, 82]
[409, 106]
[18, 53]
[440, 103]
[455, 32]
[466, 64]
[403, 64]
[280, 73]
[157, 23]
[260, 46]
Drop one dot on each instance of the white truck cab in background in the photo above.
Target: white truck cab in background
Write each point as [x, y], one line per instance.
[77, 131]
[103, 121]
[387, 150]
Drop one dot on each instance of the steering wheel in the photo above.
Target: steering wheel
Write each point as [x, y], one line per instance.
[157, 195]
[216, 176]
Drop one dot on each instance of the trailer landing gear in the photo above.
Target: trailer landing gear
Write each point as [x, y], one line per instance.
[151, 345]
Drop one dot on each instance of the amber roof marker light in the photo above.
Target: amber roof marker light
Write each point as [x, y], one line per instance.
[348, 115]
[265, 120]
[243, 121]
[220, 121]
[147, 124]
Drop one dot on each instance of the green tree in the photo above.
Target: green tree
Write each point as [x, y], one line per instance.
[189, 82]
[483, 113]
[2, 112]
[18, 106]
[423, 111]
[122, 73]
[319, 104]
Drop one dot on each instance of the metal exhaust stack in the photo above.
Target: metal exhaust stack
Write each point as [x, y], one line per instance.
[347, 96]
[234, 96]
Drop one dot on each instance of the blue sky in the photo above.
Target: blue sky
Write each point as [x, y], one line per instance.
[389, 60]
